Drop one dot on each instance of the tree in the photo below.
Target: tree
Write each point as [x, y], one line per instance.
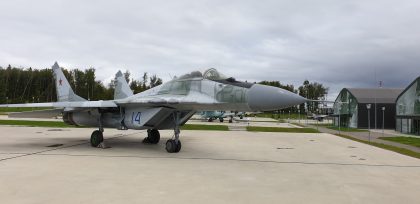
[313, 91]
[155, 81]
[127, 76]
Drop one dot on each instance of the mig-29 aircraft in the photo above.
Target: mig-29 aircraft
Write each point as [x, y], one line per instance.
[167, 106]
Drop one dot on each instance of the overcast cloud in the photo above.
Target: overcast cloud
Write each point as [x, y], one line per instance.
[337, 43]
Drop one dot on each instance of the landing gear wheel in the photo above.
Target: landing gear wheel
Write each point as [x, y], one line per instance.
[221, 120]
[178, 146]
[230, 120]
[172, 146]
[210, 120]
[96, 138]
[153, 136]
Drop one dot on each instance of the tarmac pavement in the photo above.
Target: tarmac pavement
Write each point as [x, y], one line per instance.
[212, 167]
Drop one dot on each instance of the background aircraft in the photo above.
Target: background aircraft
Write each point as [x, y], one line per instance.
[167, 106]
[318, 117]
[213, 115]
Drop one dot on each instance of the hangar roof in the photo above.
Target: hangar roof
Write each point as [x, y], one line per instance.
[411, 84]
[382, 95]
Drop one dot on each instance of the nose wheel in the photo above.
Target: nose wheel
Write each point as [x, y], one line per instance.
[96, 138]
[172, 146]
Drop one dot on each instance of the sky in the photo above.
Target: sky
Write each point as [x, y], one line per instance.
[337, 43]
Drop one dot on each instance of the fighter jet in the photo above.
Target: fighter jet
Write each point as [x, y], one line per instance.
[167, 106]
[314, 116]
[213, 115]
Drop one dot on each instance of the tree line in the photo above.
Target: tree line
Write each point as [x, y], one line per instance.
[27, 85]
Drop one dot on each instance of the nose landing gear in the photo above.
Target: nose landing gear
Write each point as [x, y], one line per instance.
[174, 145]
[96, 138]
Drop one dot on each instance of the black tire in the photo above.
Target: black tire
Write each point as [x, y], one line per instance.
[96, 138]
[170, 146]
[221, 120]
[154, 137]
[210, 120]
[241, 117]
[230, 120]
[178, 146]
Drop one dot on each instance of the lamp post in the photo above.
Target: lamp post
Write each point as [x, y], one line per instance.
[339, 114]
[383, 120]
[87, 85]
[299, 115]
[368, 108]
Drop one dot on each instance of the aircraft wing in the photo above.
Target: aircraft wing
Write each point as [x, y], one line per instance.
[66, 104]
[49, 113]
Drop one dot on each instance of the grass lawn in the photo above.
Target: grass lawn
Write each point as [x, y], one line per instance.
[385, 146]
[298, 124]
[35, 123]
[204, 127]
[413, 141]
[346, 129]
[281, 129]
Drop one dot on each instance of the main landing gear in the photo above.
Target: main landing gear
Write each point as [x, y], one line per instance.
[174, 145]
[153, 136]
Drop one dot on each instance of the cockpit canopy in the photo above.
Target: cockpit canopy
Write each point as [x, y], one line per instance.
[213, 74]
[210, 74]
[182, 85]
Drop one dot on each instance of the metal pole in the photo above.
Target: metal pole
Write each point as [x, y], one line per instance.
[383, 120]
[299, 115]
[369, 122]
[339, 122]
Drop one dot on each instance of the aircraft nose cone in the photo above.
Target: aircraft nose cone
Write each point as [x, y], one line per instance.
[267, 98]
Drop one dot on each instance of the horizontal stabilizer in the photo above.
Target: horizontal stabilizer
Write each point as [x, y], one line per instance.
[50, 113]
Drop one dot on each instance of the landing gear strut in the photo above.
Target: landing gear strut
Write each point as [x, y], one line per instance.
[97, 136]
[153, 136]
[174, 145]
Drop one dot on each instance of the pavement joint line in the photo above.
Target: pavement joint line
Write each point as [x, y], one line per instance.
[237, 160]
[61, 147]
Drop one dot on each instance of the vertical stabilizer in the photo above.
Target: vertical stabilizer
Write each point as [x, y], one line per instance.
[122, 90]
[64, 90]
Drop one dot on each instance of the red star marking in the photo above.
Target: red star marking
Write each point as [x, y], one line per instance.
[59, 81]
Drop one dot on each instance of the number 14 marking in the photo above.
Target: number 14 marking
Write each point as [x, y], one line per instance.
[135, 117]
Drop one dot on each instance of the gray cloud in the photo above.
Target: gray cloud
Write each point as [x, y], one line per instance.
[340, 44]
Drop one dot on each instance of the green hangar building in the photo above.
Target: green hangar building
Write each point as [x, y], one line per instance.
[408, 109]
[351, 107]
